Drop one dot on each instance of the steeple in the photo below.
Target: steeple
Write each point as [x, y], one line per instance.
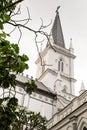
[57, 33]
[59, 62]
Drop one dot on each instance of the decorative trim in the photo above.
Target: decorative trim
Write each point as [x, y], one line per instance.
[82, 123]
[45, 72]
[69, 128]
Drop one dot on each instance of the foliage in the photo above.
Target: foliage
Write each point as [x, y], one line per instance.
[12, 118]
[11, 63]
[5, 13]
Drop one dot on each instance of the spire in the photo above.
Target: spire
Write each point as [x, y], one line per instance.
[70, 43]
[57, 31]
[82, 89]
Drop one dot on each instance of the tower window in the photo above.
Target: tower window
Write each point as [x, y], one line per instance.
[60, 65]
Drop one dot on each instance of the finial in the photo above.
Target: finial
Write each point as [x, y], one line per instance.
[57, 9]
[71, 46]
[82, 89]
[71, 43]
[71, 40]
[82, 86]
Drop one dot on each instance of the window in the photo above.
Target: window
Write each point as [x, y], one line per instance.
[84, 128]
[60, 65]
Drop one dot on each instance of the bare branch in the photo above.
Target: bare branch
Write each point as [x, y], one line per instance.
[20, 35]
[44, 26]
[38, 49]
[12, 30]
[22, 20]
[18, 12]
[36, 32]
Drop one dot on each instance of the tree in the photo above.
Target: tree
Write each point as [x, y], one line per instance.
[13, 117]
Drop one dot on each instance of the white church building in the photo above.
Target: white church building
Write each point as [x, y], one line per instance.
[55, 96]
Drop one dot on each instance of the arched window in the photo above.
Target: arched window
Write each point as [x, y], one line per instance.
[60, 65]
[84, 128]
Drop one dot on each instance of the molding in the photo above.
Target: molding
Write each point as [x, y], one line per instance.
[38, 99]
[82, 123]
[68, 77]
[57, 49]
[63, 51]
[68, 117]
[49, 94]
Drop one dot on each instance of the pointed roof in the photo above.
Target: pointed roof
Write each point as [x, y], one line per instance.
[82, 89]
[57, 33]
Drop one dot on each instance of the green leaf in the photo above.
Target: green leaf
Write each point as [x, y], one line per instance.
[24, 58]
[15, 47]
[1, 25]
[30, 86]
[13, 101]
[6, 18]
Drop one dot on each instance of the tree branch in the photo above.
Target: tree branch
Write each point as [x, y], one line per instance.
[6, 7]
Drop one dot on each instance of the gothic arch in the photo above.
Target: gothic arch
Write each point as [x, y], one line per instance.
[65, 88]
[82, 124]
[61, 65]
[58, 86]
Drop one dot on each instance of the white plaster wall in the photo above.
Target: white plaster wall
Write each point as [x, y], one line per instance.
[67, 83]
[51, 59]
[59, 85]
[39, 70]
[39, 106]
[49, 80]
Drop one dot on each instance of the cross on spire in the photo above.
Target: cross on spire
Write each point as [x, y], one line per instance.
[57, 9]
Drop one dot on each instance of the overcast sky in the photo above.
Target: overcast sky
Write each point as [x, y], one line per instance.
[73, 15]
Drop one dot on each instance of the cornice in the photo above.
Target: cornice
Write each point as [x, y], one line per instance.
[58, 49]
[64, 51]
[47, 71]
[67, 77]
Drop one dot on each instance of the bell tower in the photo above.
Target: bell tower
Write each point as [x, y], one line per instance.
[57, 69]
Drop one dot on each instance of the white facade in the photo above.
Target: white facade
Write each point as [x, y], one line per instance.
[62, 58]
[55, 98]
[57, 73]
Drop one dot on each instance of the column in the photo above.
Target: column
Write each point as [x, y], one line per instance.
[75, 126]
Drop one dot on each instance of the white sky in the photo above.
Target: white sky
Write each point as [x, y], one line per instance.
[73, 15]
